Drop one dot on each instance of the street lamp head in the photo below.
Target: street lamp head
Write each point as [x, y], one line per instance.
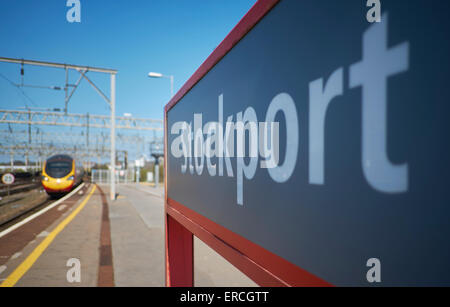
[158, 75]
[155, 75]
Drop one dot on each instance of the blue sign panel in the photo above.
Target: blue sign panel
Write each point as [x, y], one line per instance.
[323, 136]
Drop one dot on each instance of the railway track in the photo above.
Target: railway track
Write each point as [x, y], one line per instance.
[40, 200]
[18, 188]
[24, 182]
[15, 218]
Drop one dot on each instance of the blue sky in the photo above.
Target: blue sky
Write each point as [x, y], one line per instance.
[135, 36]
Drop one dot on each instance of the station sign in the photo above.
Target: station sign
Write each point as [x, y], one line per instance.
[317, 145]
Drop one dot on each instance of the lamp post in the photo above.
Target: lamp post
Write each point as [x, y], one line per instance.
[156, 151]
[158, 75]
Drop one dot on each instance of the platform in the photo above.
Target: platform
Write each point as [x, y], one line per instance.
[116, 243]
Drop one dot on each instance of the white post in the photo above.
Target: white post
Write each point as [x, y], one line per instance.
[113, 136]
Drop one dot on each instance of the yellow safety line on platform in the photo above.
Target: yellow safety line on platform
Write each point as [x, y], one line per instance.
[37, 252]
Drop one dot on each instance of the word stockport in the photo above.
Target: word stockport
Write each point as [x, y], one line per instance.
[371, 73]
[220, 143]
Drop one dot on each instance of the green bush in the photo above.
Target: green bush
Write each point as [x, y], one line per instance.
[151, 168]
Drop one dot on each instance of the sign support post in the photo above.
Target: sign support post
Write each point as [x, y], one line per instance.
[179, 255]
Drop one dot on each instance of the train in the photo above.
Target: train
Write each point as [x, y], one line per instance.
[61, 174]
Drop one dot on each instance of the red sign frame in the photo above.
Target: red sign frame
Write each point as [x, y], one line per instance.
[182, 223]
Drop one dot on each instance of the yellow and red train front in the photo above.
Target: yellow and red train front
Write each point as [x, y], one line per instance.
[57, 185]
[59, 175]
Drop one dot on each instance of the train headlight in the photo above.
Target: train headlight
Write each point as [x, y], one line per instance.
[44, 178]
[71, 178]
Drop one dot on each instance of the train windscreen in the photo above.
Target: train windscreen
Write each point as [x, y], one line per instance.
[58, 169]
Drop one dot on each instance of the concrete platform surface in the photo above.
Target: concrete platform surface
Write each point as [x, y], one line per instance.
[109, 243]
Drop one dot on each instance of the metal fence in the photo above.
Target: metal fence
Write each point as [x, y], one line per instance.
[103, 176]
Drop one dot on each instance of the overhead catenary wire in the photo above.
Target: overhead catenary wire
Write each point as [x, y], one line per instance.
[20, 90]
